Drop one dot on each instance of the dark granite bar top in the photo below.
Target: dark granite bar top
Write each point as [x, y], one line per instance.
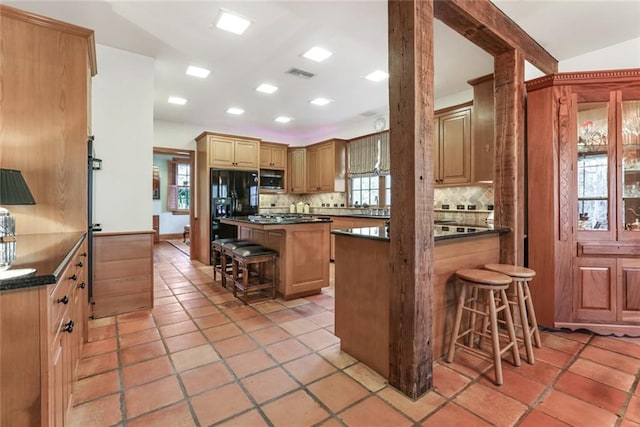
[441, 232]
[48, 253]
[276, 220]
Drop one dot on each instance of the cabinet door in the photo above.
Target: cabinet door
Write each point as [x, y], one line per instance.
[313, 180]
[56, 384]
[279, 157]
[455, 146]
[297, 170]
[629, 151]
[265, 156]
[221, 152]
[246, 154]
[595, 289]
[595, 166]
[326, 168]
[629, 290]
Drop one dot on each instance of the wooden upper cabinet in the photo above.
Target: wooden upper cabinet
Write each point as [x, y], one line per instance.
[296, 162]
[273, 156]
[326, 166]
[452, 149]
[483, 129]
[230, 152]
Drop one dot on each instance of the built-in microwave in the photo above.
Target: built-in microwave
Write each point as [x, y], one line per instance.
[271, 179]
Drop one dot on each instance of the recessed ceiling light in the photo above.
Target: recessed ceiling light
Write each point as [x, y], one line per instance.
[377, 76]
[232, 23]
[267, 88]
[177, 100]
[317, 54]
[235, 111]
[320, 101]
[282, 119]
[203, 73]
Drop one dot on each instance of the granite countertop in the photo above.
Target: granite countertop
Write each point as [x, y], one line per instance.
[277, 221]
[441, 232]
[48, 253]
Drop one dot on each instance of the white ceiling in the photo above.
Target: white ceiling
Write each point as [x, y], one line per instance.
[180, 33]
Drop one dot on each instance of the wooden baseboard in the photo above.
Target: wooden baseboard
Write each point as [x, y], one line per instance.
[172, 236]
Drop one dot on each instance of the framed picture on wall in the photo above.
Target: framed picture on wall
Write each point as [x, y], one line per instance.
[156, 183]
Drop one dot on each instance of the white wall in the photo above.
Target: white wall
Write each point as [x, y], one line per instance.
[621, 55]
[176, 135]
[122, 114]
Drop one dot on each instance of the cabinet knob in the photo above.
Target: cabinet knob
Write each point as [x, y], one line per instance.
[74, 277]
[80, 264]
[64, 300]
[68, 327]
[82, 285]
[84, 254]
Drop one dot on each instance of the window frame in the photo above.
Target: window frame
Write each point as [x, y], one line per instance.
[173, 186]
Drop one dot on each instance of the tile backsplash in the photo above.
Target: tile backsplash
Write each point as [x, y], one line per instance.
[479, 196]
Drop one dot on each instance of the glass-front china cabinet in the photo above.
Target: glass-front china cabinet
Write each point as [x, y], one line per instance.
[583, 171]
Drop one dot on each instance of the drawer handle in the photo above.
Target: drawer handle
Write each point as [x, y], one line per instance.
[84, 254]
[81, 285]
[80, 264]
[64, 300]
[74, 277]
[68, 327]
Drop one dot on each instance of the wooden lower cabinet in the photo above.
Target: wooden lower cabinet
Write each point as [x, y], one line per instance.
[363, 278]
[606, 292]
[303, 253]
[41, 340]
[629, 290]
[345, 222]
[595, 289]
[123, 273]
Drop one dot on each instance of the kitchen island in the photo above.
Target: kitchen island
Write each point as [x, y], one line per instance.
[302, 245]
[363, 279]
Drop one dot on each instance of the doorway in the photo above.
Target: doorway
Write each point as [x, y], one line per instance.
[173, 184]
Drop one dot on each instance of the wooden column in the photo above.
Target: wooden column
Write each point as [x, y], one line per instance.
[510, 197]
[411, 150]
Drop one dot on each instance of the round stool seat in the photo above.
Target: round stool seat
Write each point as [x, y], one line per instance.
[253, 251]
[512, 270]
[484, 277]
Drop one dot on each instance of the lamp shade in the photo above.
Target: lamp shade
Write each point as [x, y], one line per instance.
[14, 189]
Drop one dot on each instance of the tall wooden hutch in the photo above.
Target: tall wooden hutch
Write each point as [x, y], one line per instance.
[583, 148]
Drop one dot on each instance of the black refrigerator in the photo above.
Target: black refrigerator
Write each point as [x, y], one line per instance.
[233, 193]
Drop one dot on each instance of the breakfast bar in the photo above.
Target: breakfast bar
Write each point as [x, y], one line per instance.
[302, 245]
[363, 278]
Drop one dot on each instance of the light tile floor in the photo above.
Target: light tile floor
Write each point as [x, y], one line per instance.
[200, 357]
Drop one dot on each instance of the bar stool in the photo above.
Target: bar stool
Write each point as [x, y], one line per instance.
[489, 283]
[249, 271]
[227, 258]
[521, 277]
[216, 256]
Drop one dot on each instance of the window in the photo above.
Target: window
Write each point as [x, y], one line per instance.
[368, 170]
[373, 190]
[179, 192]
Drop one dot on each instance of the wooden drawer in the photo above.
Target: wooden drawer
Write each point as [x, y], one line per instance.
[627, 249]
[60, 299]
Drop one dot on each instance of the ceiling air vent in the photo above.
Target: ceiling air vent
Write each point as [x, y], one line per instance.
[300, 73]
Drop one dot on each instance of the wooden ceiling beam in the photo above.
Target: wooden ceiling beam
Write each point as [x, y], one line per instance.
[485, 25]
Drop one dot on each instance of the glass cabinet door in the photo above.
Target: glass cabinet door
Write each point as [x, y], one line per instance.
[593, 166]
[630, 174]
